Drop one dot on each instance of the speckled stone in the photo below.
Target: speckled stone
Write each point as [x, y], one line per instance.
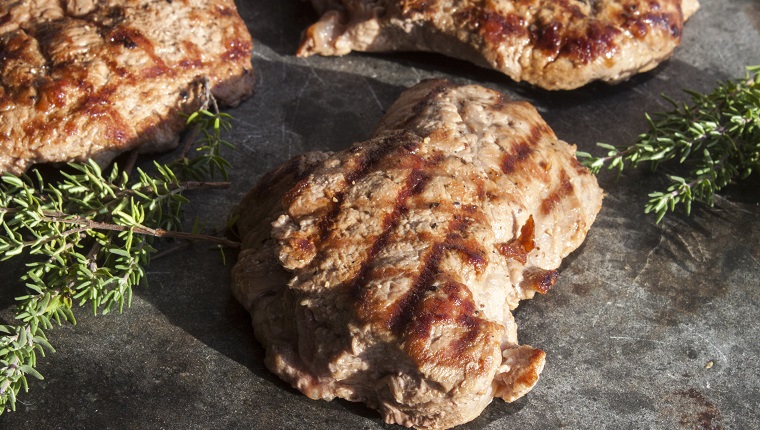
[649, 327]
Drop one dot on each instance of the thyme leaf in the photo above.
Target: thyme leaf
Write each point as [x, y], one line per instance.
[716, 138]
[90, 238]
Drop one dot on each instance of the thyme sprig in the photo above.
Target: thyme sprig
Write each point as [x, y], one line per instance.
[716, 138]
[90, 237]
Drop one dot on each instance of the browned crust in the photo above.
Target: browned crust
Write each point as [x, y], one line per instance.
[93, 82]
[555, 44]
[377, 276]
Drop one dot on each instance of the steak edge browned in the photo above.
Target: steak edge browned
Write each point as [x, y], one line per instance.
[554, 44]
[386, 273]
[94, 78]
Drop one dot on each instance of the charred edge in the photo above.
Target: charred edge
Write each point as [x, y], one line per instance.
[529, 376]
[295, 167]
[565, 189]
[326, 223]
[415, 184]
[225, 11]
[377, 153]
[289, 196]
[539, 280]
[519, 247]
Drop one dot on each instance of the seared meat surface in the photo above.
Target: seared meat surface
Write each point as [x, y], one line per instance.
[554, 44]
[386, 273]
[94, 78]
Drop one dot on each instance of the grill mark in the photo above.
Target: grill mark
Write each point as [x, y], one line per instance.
[596, 41]
[415, 184]
[547, 36]
[519, 247]
[639, 24]
[493, 26]
[292, 194]
[404, 310]
[521, 151]
[127, 36]
[193, 55]
[328, 220]
[497, 28]
[401, 313]
[441, 86]
[98, 107]
[236, 49]
[4, 19]
[366, 161]
[578, 167]
[452, 301]
[565, 189]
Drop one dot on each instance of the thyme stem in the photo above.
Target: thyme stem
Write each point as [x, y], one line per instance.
[95, 232]
[87, 225]
[716, 138]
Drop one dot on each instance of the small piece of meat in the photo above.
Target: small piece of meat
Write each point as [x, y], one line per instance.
[386, 273]
[554, 44]
[92, 79]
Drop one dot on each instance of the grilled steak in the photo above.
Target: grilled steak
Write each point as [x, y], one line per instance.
[93, 78]
[554, 44]
[386, 273]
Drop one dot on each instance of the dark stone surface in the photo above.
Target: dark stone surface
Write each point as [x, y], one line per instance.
[638, 313]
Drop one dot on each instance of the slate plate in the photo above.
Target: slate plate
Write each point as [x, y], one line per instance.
[650, 326]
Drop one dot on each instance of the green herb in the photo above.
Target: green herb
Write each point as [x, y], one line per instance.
[89, 236]
[716, 139]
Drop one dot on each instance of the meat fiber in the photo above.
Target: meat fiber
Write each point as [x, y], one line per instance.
[94, 78]
[386, 273]
[554, 44]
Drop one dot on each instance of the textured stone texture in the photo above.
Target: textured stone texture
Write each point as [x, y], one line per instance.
[638, 312]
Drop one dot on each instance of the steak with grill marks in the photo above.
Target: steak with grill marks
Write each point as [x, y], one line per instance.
[554, 44]
[94, 78]
[386, 273]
